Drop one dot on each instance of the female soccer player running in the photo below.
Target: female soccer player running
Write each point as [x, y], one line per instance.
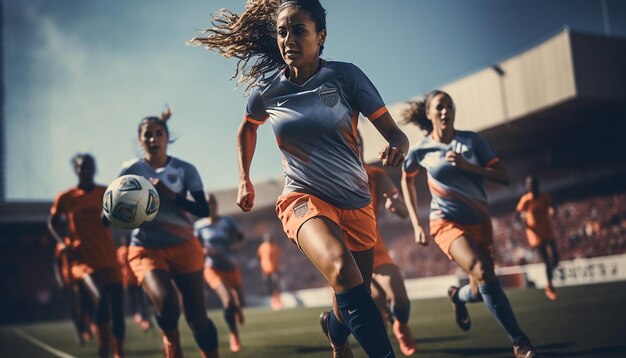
[535, 209]
[91, 254]
[313, 106]
[456, 163]
[387, 280]
[219, 235]
[165, 251]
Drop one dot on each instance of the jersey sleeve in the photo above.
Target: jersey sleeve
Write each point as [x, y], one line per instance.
[57, 205]
[255, 109]
[411, 164]
[483, 151]
[193, 182]
[367, 99]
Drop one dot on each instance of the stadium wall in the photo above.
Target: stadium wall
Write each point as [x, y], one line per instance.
[569, 273]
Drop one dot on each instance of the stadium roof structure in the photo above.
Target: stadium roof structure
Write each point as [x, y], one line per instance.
[566, 78]
[567, 90]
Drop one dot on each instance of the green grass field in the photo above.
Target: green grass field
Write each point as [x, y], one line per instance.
[586, 321]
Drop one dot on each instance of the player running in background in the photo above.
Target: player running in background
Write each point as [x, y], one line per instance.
[165, 251]
[387, 280]
[536, 210]
[313, 106]
[136, 297]
[80, 304]
[456, 163]
[269, 254]
[91, 254]
[219, 235]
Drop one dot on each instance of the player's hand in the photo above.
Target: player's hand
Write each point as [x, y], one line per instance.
[457, 160]
[420, 236]
[245, 195]
[391, 156]
[162, 189]
[395, 204]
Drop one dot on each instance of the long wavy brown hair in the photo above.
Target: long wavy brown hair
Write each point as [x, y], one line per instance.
[416, 112]
[251, 36]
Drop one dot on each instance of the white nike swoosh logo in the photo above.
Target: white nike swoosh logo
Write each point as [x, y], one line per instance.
[281, 103]
[351, 312]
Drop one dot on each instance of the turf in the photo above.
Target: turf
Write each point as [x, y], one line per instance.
[586, 321]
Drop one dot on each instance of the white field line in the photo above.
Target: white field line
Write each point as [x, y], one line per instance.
[42, 345]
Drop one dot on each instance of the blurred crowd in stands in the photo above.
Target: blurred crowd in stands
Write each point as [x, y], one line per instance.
[590, 227]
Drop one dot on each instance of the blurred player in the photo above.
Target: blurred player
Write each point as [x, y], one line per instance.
[134, 292]
[220, 235]
[269, 254]
[536, 210]
[313, 106]
[165, 251]
[387, 280]
[91, 253]
[456, 163]
[80, 304]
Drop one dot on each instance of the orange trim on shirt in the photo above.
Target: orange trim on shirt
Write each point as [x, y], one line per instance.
[492, 162]
[252, 120]
[374, 116]
[412, 174]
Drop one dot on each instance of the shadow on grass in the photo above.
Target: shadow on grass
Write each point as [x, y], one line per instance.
[439, 339]
[550, 351]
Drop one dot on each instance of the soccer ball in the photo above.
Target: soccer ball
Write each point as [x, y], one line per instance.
[129, 201]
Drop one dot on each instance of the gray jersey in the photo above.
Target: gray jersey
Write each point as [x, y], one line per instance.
[172, 225]
[316, 126]
[219, 236]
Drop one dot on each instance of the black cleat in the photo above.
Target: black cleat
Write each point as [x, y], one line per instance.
[339, 351]
[461, 316]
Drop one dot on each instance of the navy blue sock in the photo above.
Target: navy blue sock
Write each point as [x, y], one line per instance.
[401, 313]
[363, 318]
[339, 332]
[498, 305]
[465, 295]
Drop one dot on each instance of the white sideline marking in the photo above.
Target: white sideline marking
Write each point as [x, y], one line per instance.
[41, 344]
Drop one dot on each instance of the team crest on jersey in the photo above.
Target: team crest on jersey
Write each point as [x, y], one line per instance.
[172, 177]
[462, 149]
[329, 97]
[301, 209]
[129, 184]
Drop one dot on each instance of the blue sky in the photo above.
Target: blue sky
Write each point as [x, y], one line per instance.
[80, 74]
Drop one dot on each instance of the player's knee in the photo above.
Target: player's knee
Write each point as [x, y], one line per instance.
[481, 272]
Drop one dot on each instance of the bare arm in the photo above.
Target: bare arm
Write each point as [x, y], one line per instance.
[410, 197]
[392, 154]
[246, 144]
[495, 172]
[393, 201]
[53, 228]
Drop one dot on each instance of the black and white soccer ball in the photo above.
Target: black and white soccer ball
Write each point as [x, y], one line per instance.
[129, 201]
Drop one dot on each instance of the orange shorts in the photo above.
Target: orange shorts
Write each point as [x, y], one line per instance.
[215, 277]
[358, 225]
[381, 254]
[445, 232]
[106, 274]
[128, 277]
[180, 259]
